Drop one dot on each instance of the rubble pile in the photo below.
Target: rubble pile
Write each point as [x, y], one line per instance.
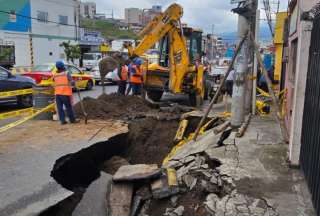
[191, 186]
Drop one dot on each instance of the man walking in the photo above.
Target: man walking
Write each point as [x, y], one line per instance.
[63, 92]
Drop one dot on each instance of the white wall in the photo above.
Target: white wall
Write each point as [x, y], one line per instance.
[304, 38]
[22, 46]
[54, 9]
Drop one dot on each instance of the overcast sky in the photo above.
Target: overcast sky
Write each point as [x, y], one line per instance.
[197, 13]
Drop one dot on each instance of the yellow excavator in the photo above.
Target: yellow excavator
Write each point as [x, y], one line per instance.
[179, 69]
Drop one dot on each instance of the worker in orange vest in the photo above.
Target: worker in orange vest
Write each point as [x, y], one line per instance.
[136, 76]
[122, 83]
[63, 92]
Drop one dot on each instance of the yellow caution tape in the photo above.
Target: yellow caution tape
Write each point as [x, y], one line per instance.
[16, 113]
[16, 93]
[182, 128]
[172, 177]
[23, 120]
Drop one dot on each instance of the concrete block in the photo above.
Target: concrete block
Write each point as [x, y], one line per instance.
[94, 200]
[120, 199]
[136, 172]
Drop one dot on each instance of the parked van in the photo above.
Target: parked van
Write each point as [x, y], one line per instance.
[91, 60]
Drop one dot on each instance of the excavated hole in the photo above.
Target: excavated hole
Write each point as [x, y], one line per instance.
[148, 141]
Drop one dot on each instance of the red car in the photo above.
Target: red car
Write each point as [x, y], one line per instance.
[42, 74]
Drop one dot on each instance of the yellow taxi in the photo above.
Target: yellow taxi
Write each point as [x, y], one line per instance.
[42, 74]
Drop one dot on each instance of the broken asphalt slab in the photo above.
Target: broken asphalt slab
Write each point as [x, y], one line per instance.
[94, 201]
[28, 153]
[136, 172]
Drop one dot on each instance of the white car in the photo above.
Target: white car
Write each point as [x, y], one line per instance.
[111, 77]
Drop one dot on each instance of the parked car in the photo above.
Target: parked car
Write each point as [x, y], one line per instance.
[42, 74]
[108, 79]
[10, 82]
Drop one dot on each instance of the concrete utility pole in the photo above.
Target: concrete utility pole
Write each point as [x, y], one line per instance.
[242, 86]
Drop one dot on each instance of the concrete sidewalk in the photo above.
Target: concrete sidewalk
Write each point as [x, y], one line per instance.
[257, 164]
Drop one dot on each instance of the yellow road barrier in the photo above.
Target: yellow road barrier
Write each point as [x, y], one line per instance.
[15, 93]
[23, 120]
[16, 113]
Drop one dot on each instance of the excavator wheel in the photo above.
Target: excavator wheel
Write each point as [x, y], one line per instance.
[155, 95]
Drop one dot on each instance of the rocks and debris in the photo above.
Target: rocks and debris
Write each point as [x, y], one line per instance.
[237, 204]
[174, 212]
[136, 172]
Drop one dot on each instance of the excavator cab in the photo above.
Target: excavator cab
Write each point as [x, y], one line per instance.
[194, 42]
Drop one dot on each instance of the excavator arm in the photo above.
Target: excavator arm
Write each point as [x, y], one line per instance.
[157, 29]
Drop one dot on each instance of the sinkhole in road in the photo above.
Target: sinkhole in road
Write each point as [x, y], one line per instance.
[147, 141]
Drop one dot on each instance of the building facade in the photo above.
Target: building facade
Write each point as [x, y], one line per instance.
[302, 81]
[88, 9]
[38, 27]
[133, 16]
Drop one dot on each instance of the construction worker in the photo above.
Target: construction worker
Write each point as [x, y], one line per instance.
[122, 83]
[63, 92]
[136, 76]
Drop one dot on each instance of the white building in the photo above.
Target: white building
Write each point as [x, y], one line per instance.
[88, 9]
[39, 28]
[133, 15]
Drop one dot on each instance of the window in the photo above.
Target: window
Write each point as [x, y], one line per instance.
[43, 68]
[73, 70]
[12, 16]
[3, 74]
[42, 16]
[63, 20]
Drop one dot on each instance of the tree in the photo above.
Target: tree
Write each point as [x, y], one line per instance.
[6, 53]
[72, 52]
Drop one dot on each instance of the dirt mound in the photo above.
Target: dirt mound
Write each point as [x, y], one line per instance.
[112, 106]
[150, 140]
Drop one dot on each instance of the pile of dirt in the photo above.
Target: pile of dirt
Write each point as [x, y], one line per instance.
[150, 140]
[112, 106]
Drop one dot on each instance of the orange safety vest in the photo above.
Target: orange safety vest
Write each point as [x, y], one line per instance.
[62, 85]
[137, 76]
[124, 73]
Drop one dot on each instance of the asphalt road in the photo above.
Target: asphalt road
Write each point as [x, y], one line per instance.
[95, 92]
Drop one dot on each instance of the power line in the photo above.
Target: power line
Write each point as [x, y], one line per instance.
[33, 18]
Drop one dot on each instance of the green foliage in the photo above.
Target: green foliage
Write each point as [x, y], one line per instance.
[72, 52]
[108, 30]
[6, 53]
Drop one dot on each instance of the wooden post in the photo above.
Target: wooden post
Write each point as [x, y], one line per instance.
[214, 99]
